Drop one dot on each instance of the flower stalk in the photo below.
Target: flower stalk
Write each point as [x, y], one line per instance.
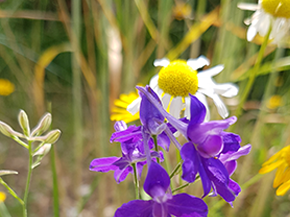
[136, 182]
[28, 178]
[253, 74]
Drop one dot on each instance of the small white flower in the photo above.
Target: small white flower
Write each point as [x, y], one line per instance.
[177, 79]
[267, 13]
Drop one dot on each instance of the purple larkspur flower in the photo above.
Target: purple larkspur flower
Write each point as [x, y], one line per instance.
[132, 153]
[207, 142]
[134, 134]
[163, 203]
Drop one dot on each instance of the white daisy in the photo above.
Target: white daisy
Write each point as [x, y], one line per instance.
[177, 79]
[268, 12]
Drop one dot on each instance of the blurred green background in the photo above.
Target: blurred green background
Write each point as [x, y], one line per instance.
[77, 57]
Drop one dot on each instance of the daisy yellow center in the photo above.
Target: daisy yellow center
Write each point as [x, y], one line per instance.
[178, 79]
[278, 8]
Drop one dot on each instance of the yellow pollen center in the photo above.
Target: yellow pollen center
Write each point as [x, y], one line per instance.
[178, 79]
[278, 8]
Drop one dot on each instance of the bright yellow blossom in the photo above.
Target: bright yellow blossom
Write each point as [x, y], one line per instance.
[6, 87]
[119, 111]
[281, 161]
[275, 102]
[2, 196]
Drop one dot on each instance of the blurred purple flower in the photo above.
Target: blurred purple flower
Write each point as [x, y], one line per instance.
[132, 151]
[163, 203]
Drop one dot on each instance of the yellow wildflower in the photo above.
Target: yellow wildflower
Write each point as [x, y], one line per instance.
[119, 111]
[281, 161]
[181, 11]
[6, 87]
[2, 196]
[275, 102]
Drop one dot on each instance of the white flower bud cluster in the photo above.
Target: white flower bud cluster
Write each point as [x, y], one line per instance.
[44, 141]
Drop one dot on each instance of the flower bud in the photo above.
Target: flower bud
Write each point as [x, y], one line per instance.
[43, 125]
[120, 126]
[7, 172]
[24, 123]
[43, 150]
[8, 131]
[52, 136]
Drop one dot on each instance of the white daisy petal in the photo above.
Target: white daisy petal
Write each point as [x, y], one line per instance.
[154, 81]
[176, 107]
[261, 21]
[161, 62]
[226, 90]
[166, 100]
[205, 77]
[134, 107]
[212, 71]
[251, 33]
[248, 6]
[198, 63]
[222, 109]
[187, 107]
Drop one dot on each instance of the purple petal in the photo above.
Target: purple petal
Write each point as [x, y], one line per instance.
[132, 132]
[163, 141]
[231, 142]
[198, 134]
[174, 122]
[206, 182]
[121, 163]
[211, 147]
[185, 205]
[244, 150]
[190, 162]
[157, 180]
[120, 126]
[235, 188]
[135, 208]
[160, 210]
[150, 117]
[104, 164]
[120, 175]
[197, 111]
[218, 174]
[231, 166]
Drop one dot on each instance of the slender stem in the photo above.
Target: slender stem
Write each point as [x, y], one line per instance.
[175, 170]
[136, 182]
[20, 142]
[28, 179]
[180, 187]
[156, 146]
[253, 74]
[11, 191]
[38, 147]
[55, 184]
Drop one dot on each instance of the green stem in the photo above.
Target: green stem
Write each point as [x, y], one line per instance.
[28, 179]
[156, 146]
[136, 182]
[253, 74]
[11, 191]
[35, 150]
[180, 187]
[55, 184]
[20, 142]
[175, 170]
